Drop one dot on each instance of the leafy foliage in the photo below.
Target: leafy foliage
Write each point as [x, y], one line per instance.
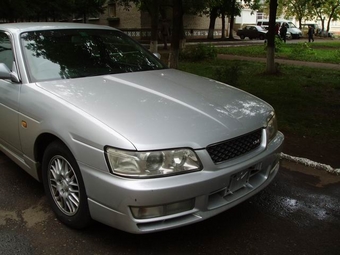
[278, 44]
[43, 10]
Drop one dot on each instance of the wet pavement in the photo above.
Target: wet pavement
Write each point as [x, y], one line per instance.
[299, 213]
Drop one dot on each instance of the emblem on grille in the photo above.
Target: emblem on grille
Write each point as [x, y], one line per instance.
[257, 141]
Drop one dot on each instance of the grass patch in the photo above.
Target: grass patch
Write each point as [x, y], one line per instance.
[306, 100]
[325, 51]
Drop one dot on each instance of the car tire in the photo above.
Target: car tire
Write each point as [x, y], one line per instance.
[64, 186]
[242, 37]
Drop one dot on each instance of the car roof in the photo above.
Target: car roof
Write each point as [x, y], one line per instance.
[38, 26]
[258, 27]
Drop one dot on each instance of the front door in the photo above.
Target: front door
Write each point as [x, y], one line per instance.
[9, 97]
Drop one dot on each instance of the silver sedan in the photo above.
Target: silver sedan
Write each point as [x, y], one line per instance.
[116, 136]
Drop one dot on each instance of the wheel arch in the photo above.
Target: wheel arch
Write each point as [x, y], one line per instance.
[41, 143]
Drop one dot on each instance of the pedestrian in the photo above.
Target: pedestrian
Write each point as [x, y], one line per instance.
[283, 32]
[310, 34]
[277, 29]
[165, 31]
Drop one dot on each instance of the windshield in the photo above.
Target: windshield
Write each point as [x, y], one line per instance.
[260, 28]
[67, 54]
[291, 25]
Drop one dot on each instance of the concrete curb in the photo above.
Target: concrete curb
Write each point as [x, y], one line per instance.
[311, 163]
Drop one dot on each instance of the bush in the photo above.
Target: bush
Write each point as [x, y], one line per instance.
[199, 52]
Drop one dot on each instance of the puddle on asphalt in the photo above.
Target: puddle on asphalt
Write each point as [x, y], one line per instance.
[34, 215]
[7, 215]
[322, 178]
[320, 208]
[31, 216]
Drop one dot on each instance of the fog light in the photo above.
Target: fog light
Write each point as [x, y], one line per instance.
[162, 210]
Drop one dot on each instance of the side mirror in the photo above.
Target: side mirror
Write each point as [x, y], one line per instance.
[157, 55]
[5, 73]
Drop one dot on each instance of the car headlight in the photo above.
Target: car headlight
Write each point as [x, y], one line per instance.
[271, 128]
[152, 163]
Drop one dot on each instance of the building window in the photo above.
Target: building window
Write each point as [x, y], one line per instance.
[261, 15]
[112, 9]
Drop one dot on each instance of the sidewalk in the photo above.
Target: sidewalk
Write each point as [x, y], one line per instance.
[282, 61]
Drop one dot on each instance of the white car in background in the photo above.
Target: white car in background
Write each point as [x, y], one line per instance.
[295, 32]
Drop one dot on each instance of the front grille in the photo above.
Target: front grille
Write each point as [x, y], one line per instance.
[235, 147]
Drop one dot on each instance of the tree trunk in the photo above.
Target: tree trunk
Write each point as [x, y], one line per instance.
[154, 26]
[300, 22]
[322, 24]
[328, 25]
[232, 18]
[213, 16]
[271, 67]
[182, 37]
[223, 26]
[176, 33]
[330, 18]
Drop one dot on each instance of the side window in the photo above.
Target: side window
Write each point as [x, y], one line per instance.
[6, 53]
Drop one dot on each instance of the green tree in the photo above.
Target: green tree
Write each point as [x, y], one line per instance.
[12, 10]
[295, 8]
[223, 8]
[35, 10]
[333, 8]
[87, 8]
[44, 10]
[156, 9]
[330, 9]
[325, 10]
[215, 9]
[180, 7]
[316, 11]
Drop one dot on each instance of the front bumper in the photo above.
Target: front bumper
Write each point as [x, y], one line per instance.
[213, 190]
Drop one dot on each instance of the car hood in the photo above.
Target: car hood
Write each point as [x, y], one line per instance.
[164, 108]
[294, 30]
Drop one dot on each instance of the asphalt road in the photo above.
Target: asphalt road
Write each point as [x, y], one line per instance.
[299, 213]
